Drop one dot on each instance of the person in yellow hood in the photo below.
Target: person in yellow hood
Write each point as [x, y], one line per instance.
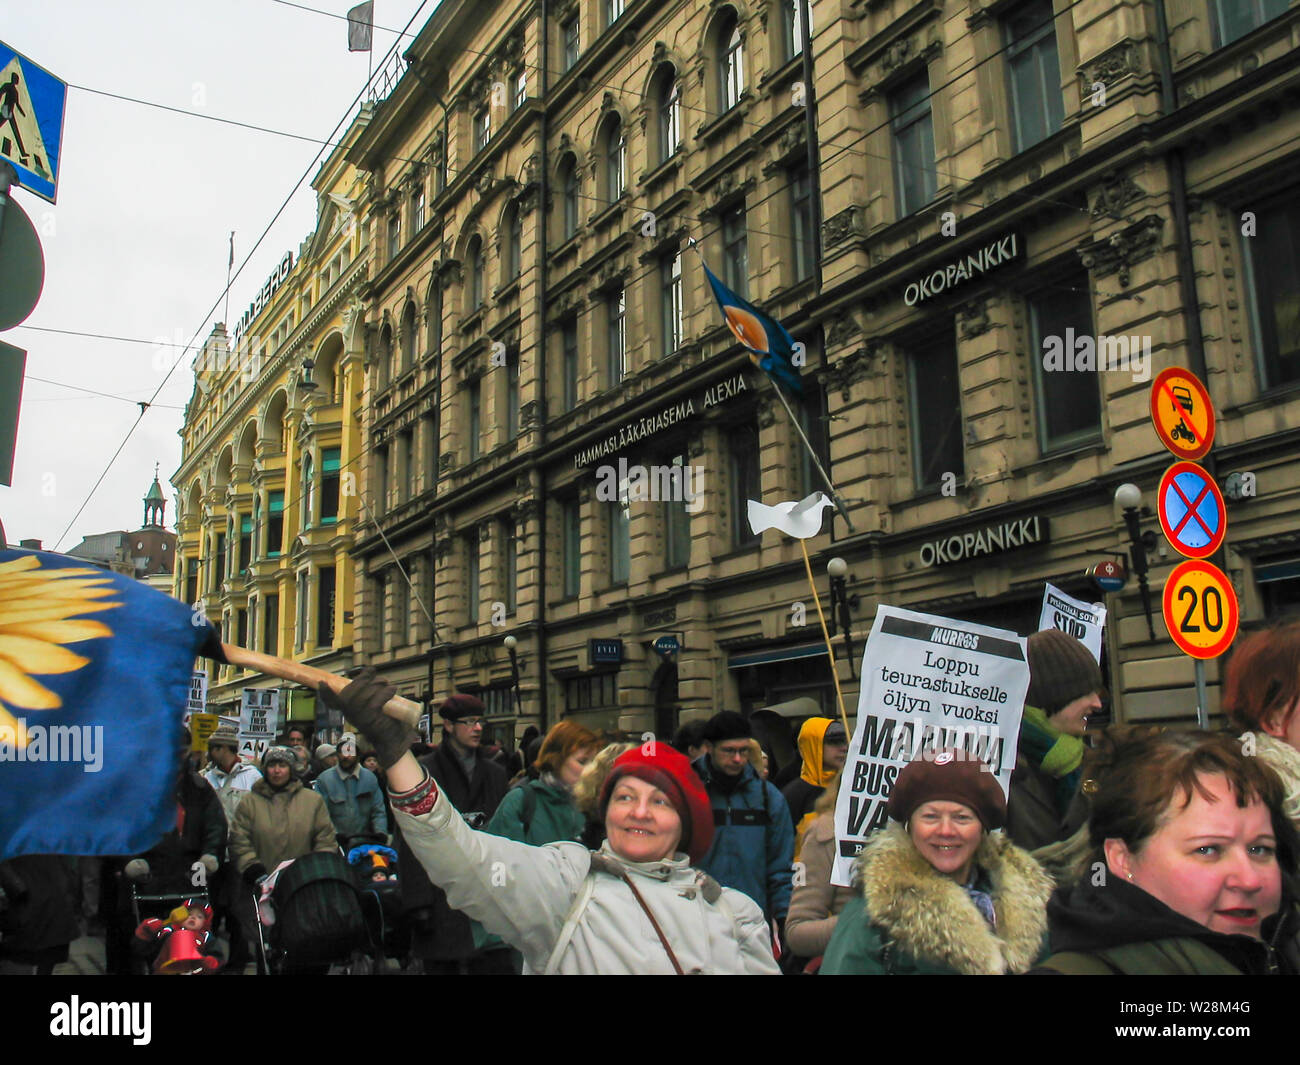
[823, 746]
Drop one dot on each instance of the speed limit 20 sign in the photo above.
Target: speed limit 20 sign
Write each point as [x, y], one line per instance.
[1200, 609]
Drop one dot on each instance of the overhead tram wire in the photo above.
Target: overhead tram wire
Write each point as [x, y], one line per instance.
[217, 303]
[104, 395]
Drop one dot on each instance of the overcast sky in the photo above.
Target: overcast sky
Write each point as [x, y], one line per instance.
[137, 245]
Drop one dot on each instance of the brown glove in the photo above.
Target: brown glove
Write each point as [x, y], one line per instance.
[362, 703]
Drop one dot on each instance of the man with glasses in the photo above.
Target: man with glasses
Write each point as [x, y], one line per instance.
[445, 939]
[753, 842]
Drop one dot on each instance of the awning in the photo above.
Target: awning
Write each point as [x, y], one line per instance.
[776, 654]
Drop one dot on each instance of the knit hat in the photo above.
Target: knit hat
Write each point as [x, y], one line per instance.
[279, 754]
[1061, 670]
[458, 705]
[670, 771]
[224, 736]
[727, 725]
[948, 776]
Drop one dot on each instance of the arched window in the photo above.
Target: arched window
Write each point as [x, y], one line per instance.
[569, 183]
[731, 63]
[615, 160]
[435, 316]
[408, 337]
[384, 361]
[308, 489]
[668, 103]
[475, 275]
[515, 244]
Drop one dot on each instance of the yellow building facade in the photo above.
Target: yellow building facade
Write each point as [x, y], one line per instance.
[267, 482]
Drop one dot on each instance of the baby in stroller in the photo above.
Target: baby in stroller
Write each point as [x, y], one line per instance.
[375, 868]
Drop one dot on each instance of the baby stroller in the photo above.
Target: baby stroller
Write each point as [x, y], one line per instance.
[374, 866]
[183, 952]
[315, 920]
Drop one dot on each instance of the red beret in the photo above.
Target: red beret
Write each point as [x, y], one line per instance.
[670, 771]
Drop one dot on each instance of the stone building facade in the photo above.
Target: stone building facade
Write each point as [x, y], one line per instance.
[997, 181]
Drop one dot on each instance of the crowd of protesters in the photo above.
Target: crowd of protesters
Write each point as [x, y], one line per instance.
[1123, 851]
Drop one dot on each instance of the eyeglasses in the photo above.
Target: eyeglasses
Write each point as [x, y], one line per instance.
[734, 752]
[469, 722]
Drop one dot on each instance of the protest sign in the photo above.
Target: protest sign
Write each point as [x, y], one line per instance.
[928, 684]
[1083, 621]
[197, 701]
[259, 717]
[202, 726]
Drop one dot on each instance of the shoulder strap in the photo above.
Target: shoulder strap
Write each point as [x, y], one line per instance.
[663, 939]
[580, 901]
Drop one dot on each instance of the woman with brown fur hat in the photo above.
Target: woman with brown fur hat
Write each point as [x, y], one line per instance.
[937, 891]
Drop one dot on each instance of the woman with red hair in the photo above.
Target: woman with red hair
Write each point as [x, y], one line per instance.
[1261, 694]
[542, 811]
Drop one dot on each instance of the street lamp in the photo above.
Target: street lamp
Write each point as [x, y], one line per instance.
[837, 569]
[511, 645]
[1129, 498]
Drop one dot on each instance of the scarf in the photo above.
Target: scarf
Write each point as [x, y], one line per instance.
[1056, 754]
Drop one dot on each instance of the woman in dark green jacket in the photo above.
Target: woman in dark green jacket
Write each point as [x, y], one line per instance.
[542, 811]
[1194, 864]
[937, 892]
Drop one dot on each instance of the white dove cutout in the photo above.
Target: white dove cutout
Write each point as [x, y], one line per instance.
[802, 519]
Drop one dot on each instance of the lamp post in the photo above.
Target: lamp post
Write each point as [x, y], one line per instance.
[1129, 498]
[511, 645]
[841, 602]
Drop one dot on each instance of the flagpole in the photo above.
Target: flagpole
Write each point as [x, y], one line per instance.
[230, 262]
[401, 709]
[839, 503]
[830, 651]
[835, 496]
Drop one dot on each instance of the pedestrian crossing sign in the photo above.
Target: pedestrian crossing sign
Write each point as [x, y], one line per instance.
[31, 122]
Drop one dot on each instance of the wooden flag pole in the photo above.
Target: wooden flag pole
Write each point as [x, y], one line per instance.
[401, 709]
[830, 652]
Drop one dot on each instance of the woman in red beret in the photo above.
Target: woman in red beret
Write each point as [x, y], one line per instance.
[937, 891]
[634, 906]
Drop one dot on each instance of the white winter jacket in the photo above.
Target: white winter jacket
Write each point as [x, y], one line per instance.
[233, 786]
[527, 896]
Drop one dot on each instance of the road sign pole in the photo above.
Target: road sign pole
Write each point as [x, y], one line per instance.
[8, 175]
[1202, 696]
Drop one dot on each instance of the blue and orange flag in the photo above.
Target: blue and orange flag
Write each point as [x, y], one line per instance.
[94, 675]
[770, 347]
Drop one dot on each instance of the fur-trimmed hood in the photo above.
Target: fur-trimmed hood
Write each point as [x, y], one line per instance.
[932, 917]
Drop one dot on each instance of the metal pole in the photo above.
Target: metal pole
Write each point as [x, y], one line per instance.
[1202, 696]
[8, 177]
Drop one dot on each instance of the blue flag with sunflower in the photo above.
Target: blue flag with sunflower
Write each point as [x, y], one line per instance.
[770, 346]
[94, 675]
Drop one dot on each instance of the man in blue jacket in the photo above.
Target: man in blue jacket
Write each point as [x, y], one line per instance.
[352, 795]
[753, 843]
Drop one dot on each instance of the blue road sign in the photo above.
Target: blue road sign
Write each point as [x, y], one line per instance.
[667, 645]
[31, 122]
[1192, 513]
